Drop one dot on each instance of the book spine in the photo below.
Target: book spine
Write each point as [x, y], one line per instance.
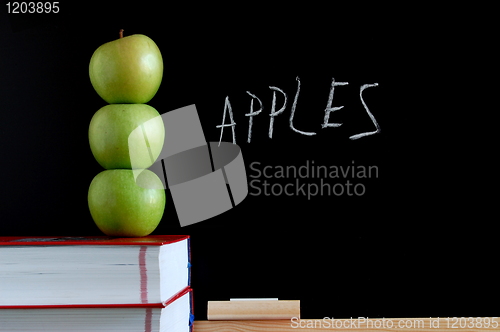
[189, 260]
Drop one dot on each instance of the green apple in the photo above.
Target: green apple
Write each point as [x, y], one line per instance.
[127, 70]
[126, 136]
[128, 203]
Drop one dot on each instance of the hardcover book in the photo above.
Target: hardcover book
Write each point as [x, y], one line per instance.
[92, 270]
[175, 315]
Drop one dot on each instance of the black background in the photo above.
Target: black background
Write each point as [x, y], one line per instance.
[418, 243]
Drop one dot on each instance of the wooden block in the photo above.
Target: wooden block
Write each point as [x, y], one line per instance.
[345, 325]
[253, 310]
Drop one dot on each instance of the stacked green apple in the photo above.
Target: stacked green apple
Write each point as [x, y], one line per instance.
[126, 137]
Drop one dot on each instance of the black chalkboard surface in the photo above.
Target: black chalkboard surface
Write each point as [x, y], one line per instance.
[356, 173]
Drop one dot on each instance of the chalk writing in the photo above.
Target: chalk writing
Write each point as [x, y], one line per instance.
[227, 106]
[273, 106]
[353, 137]
[329, 107]
[292, 113]
[328, 110]
[251, 115]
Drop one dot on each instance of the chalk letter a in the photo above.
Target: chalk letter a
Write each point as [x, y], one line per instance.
[227, 106]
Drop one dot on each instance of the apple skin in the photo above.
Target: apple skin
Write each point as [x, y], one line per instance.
[128, 70]
[120, 206]
[111, 141]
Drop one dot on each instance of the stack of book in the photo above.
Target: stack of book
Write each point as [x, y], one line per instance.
[95, 284]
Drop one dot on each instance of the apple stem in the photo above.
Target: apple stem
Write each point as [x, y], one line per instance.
[121, 33]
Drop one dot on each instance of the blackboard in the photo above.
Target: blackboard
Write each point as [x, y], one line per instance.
[377, 234]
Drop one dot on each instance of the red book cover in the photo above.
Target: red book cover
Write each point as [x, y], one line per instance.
[151, 240]
[109, 305]
[145, 272]
[148, 316]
